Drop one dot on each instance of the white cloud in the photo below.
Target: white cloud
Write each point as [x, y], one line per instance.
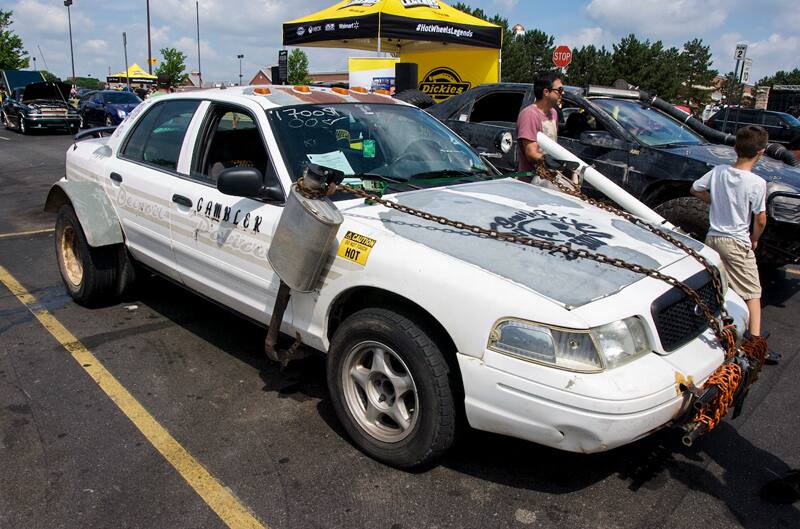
[595, 36]
[46, 18]
[776, 52]
[506, 4]
[658, 18]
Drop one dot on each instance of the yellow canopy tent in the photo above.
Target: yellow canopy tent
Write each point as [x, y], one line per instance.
[392, 26]
[135, 74]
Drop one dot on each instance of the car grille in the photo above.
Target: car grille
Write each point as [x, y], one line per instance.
[674, 313]
[53, 112]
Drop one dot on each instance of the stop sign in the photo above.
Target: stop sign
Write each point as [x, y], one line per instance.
[562, 56]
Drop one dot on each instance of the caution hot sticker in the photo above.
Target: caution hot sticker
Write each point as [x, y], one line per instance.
[356, 248]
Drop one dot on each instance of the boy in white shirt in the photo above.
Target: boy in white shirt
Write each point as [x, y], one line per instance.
[736, 194]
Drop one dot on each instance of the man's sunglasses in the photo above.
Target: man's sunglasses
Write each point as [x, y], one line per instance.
[560, 90]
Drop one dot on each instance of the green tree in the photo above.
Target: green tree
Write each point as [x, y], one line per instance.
[173, 65]
[12, 56]
[298, 67]
[527, 55]
[50, 77]
[88, 82]
[590, 66]
[648, 66]
[696, 59]
[781, 77]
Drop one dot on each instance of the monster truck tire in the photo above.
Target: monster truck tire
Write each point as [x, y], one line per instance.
[418, 98]
[381, 366]
[90, 274]
[689, 213]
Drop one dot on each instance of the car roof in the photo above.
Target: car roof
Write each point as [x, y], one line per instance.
[275, 96]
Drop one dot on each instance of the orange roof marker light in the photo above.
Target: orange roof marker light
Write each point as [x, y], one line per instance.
[340, 91]
[302, 89]
[359, 90]
[262, 91]
[383, 92]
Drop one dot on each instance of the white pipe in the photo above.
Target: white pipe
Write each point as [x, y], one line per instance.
[600, 182]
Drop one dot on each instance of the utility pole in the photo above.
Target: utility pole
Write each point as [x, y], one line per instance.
[149, 49]
[34, 64]
[68, 3]
[240, 57]
[125, 49]
[199, 68]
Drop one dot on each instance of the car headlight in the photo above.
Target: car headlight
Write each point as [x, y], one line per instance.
[121, 114]
[592, 350]
[785, 208]
[505, 141]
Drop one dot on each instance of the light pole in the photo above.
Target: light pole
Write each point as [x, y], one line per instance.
[125, 49]
[240, 57]
[34, 64]
[149, 49]
[68, 3]
[199, 69]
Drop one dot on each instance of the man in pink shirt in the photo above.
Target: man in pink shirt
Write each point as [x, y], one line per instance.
[541, 116]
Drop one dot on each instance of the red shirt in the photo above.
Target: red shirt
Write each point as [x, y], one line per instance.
[530, 122]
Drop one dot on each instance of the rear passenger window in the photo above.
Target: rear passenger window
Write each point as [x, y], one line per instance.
[159, 134]
[771, 120]
[501, 107]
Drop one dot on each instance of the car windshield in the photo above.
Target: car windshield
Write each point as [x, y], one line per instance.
[386, 142]
[790, 119]
[647, 124]
[121, 98]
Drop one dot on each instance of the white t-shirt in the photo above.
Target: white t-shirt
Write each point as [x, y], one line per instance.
[735, 195]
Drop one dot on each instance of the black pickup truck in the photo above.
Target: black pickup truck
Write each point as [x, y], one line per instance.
[36, 105]
[649, 153]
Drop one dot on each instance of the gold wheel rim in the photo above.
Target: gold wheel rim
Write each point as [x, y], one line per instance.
[69, 256]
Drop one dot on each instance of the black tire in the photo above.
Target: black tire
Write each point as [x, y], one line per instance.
[433, 428]
[127, 274]
[23, 128]
[109, 123]
[688, 213]
[418, 98]
[4, 119]
[89, 274]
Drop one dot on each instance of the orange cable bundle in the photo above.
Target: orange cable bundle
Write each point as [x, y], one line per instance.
[727, 378]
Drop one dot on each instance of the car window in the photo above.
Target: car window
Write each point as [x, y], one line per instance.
[234, 140]
[773, 120]
[158, 135]
[501, 107]
[576, 120]
[647, 124]
[121, 98]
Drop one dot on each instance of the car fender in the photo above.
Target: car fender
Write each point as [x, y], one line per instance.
[93, 208]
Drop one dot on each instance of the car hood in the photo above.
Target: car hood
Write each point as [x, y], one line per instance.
[517, 208]
[769, 169]
[39, 91]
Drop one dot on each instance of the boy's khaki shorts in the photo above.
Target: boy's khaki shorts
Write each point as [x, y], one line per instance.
[740, 264]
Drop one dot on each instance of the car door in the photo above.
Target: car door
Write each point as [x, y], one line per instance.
[581, 118]
[486, 118]
[143, 180]
[94, 109]
[221, 241]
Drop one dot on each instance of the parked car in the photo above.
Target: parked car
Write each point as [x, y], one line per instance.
[782, 127]
[422, 324]
[651, 155]
[39, 106]
[106, 108]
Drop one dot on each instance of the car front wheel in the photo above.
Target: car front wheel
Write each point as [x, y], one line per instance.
[23, 127]
[391, 388]
[688, 213]
[90, 274]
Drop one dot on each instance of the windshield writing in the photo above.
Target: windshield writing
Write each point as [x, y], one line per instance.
[373, 142]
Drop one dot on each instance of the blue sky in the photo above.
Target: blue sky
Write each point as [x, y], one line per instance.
[230, 27]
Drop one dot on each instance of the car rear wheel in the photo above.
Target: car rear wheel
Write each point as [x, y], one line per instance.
[390, 387]
[688, 213]
[90, 274]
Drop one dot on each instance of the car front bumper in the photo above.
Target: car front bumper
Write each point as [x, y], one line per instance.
[51, 122]
[588, 412]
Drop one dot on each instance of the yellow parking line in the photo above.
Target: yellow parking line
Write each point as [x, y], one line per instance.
[24, 233]
[220, 499]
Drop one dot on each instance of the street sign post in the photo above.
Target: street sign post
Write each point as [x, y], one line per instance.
[748, 65]
[283, 67]
[562, 56]
[740, 53]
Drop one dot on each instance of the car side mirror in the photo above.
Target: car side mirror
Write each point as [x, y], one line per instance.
[603, 139]
[247, 182]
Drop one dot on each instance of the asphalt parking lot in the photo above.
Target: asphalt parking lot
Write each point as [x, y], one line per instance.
[74, 456]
